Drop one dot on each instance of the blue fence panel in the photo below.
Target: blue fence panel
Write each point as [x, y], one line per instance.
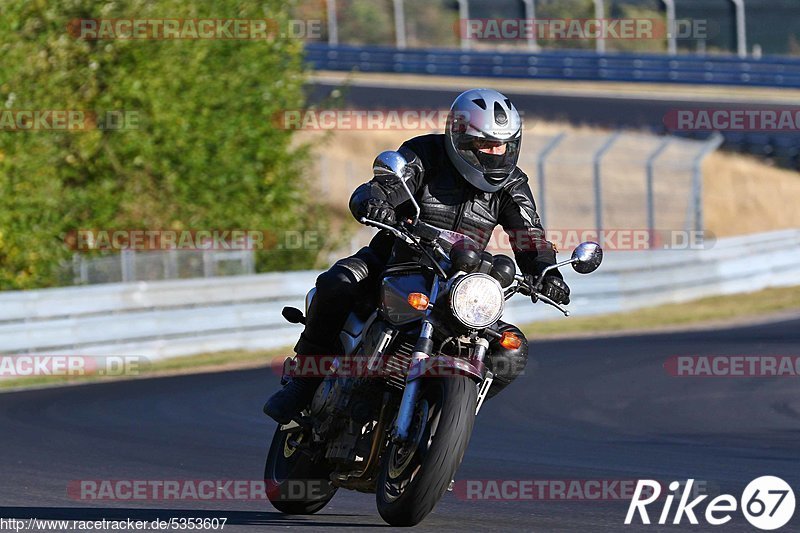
[573, 64]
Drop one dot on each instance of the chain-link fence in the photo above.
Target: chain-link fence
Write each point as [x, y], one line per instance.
[750, 27]
[617, 180]
[132, 265]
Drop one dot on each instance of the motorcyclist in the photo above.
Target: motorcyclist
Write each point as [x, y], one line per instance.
[465, 180]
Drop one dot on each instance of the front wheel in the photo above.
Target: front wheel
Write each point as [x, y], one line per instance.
[295, 483]
[414, 476]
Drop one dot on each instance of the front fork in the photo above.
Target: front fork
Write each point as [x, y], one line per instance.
[422, 350]
[405, 414]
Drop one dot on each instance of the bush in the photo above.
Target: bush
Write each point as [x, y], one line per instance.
[204, 153]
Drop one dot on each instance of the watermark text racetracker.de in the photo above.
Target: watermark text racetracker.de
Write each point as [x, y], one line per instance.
[631, 239]
[387, 366]
[29, 365]
[733, 366]
[566, 29]
[734, 118]
[363, 119]
[615, 239]
[127, 490]
[544, 489]
[25, 120]
[194, 29]
[142, 239]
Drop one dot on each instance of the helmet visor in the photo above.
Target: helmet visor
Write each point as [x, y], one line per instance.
[495, 158]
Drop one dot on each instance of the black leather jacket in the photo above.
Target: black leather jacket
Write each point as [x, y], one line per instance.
[449, 202]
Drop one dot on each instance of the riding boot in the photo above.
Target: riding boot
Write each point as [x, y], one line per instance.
[299, 391]
[291, 399]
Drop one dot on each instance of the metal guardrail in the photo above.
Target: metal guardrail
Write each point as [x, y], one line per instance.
[178, 317]
[565, 65]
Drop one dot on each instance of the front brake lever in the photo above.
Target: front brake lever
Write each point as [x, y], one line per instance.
[368, 222]
[381, 225]
[523, 288]
[547, 300]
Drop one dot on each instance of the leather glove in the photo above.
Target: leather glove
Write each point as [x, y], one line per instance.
[553, 286]
[379, 211]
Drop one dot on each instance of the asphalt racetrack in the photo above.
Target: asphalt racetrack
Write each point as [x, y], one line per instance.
[592, 409]
[620, 111]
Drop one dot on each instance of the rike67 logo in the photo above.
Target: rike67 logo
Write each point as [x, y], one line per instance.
[767, 503]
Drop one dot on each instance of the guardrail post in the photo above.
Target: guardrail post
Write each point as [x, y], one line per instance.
[741, 31]
[249, 260]
[530, 14]
[463, 16]
[333, 26]
[540, 174]
[128, 265]
[80, 269]
[208, 263]
[651, 210]
[599, 14]
[598, 186]
[399, 24]
[672, 41]
[711, 144]
[170, 259]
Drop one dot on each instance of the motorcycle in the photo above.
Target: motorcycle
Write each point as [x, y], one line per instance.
[398, 426]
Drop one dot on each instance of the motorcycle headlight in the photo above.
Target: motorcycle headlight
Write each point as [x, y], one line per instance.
[477, 300]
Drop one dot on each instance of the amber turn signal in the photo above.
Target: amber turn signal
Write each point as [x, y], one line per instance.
[510, 341]
[418, 301]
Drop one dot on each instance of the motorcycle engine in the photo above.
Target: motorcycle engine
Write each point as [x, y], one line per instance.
[335, 397]
[333, 393]
[341, 408]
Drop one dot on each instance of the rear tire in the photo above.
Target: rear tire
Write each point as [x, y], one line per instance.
[413, 478]
[295, 483]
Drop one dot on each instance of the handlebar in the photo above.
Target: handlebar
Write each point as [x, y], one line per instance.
[407, 237]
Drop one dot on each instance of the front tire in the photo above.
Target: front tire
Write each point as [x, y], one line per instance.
[295, 483]
[414, 477]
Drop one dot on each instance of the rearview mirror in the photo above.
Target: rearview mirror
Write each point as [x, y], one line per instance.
[586, 257]
[390, 164]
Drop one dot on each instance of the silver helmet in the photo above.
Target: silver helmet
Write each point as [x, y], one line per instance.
[483, 136]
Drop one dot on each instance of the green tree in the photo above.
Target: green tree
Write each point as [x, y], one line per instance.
[204, 153]
[366, 22]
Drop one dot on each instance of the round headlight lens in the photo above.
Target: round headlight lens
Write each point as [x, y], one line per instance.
[477, 300]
